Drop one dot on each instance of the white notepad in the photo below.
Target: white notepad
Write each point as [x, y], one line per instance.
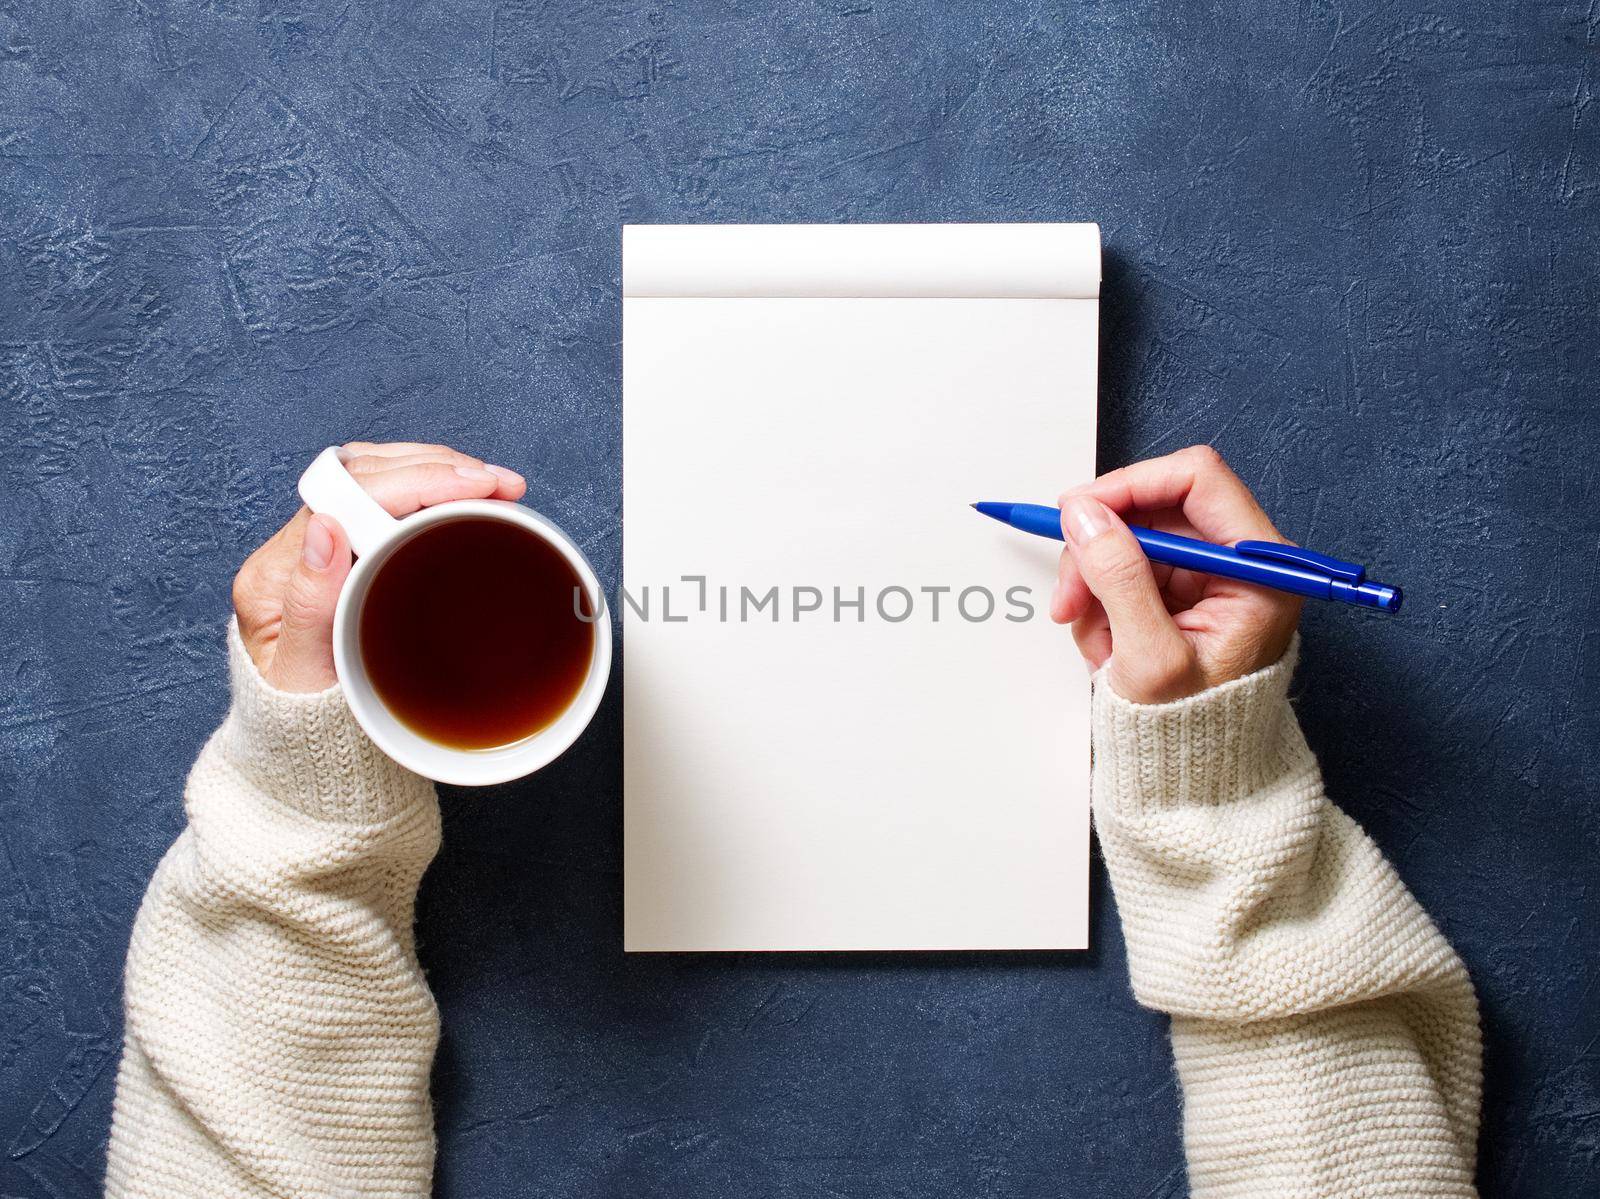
[808, 413]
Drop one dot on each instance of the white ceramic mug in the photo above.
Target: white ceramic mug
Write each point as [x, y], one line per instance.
[329, 489]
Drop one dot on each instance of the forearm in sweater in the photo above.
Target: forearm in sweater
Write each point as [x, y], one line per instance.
[279, 1031]
[1325, 1034]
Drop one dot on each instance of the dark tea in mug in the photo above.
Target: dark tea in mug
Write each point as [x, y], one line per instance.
[471, 634]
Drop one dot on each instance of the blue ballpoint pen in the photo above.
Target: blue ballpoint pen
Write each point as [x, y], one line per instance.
[1264, 563]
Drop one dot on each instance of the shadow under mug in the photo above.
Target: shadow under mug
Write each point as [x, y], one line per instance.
[329, 490]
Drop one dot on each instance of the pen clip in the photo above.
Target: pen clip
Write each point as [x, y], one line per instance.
[1293, 555]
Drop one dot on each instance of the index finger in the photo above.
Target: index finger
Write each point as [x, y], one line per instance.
[408, 449]
[1199, 483]
[405, 489]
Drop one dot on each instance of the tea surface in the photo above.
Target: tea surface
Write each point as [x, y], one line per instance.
[470, 637]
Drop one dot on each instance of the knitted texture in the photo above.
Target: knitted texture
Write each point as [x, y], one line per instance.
[1325, 1033]
[279, 1032]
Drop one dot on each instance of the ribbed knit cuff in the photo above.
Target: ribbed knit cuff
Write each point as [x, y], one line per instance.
[307, 751]
[1222, 744]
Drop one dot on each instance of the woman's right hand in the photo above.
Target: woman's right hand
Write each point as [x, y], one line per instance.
[285, 594]
[1167, 633]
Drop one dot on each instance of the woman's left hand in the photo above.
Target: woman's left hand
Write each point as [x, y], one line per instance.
[285, 594]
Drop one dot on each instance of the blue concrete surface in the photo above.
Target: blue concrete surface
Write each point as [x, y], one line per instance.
[1354, 245]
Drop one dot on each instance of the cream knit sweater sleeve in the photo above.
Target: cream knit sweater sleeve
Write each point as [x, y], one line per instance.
[279, 1032]
[1325, 1034]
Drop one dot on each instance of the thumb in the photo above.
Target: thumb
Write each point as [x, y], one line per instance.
[303, 657]
[1151, 661]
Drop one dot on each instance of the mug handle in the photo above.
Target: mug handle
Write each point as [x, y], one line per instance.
[328, 489]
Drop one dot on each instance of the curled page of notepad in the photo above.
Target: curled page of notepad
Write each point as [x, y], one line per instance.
[997, 262]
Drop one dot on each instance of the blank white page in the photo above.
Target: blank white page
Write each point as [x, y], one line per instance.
[864, 757]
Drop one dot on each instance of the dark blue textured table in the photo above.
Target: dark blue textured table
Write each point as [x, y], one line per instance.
[1353, 246]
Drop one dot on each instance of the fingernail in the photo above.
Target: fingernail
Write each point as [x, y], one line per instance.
[508, 476]
[1083, 519]
[1055, 597]
[317, 550]
[476, 473]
